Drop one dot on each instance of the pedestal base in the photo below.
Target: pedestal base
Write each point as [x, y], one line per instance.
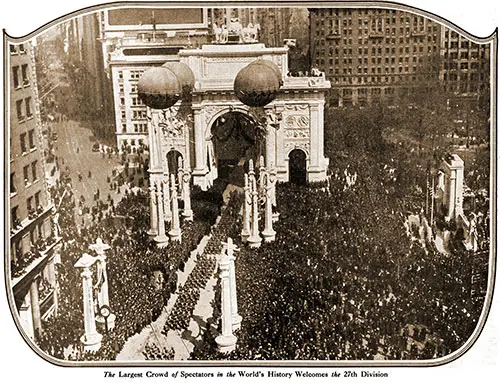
[175, 235]
[161, 240]
[91, 342]
[244, 236]
[187, 215]
[254, 241]
[152, 233]
[269, 235]
[236, 322]
[226, 343]
[101, 323]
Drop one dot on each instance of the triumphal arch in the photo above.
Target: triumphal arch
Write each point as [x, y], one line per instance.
[187, 99]
[293, 120]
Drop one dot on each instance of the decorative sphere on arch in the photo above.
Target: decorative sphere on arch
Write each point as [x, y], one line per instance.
[184, 74]
[256, 85]
[270, 65]
[159, 88]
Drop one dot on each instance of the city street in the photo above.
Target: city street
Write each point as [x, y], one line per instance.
[74, 146]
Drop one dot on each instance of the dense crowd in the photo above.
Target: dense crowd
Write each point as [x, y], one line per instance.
[133, 263]
[344, 281]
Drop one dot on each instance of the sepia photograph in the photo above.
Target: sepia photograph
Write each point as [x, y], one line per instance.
[267, 184]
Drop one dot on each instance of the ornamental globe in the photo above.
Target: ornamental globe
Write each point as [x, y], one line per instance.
[256, 85]
[159, 88]
[271, 65]
[184, 75]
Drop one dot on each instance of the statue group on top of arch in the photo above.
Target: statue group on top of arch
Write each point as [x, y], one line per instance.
[248, 34]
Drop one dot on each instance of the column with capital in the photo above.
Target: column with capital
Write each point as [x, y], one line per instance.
[187, 213]
[226, 341]
[91, 339]
[247, 206]
[175, 229]
[153, 212]
[200, 171]
[161, 239]
[167, 214]
[273, 179]
[254, 240]
[268, 233]
[180, 173]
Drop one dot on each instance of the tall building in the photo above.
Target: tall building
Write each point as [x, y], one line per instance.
[133, 40]
[465, 65]
[370, 54]
[32, 240]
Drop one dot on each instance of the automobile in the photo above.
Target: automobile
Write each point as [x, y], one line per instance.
[95, 147]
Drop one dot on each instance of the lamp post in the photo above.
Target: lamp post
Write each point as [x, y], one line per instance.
[102, 283]
[91, 339]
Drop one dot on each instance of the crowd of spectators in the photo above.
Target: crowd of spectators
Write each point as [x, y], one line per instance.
[344, 281]
[133, 264]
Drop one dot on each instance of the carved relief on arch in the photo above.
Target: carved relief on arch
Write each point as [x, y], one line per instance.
[175, 121]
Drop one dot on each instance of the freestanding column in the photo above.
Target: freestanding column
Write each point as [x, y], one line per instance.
[254, 240]
[273, 178]
[91, 340]
[247, 204]
[226, 341]
[167, 214]
[200, 168]
[102, 294]
[262, 175]
[187, 213]
[235, 317]
[180, 174]
[175, 230]
[153, 217]
[161, 239]
[35, 307]
[268, 233]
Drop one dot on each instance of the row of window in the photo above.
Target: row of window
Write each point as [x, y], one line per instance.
[29, 176]
[20, 76]
[377, 79]
[366, 41]
[17, 48]
[23, 109]
[136, 101]
[133, 88]
[134, 74]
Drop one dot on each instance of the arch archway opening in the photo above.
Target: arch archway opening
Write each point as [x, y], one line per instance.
[297, 167]
[173, 161]
[236, 138]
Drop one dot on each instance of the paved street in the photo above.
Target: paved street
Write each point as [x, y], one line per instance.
[74, 145]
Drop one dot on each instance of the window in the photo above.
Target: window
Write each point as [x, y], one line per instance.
[124, 115]
[27, 101]
[33, 170]
[26, 175]
[19, 109]
[37, 200]
[15, 218]
[13, 49]
[13, 183]
[24, 73]
[31, 138]
[21, 48]
[23, 143]
[29, 204]
[15, 76]
[122, 101]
